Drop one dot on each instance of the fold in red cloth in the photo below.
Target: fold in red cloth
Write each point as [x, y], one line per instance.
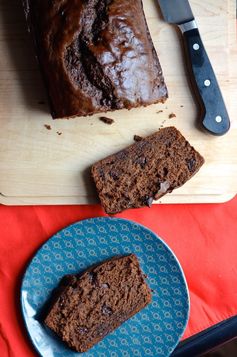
[202, 236]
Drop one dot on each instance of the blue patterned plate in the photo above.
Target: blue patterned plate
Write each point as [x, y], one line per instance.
[154, 331]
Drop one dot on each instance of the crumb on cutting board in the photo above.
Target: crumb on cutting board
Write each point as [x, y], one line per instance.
[59, 132]
[160, 111]
[181, 106]
[137, 138]
[106, 120]
[47, 126]
[172, 115]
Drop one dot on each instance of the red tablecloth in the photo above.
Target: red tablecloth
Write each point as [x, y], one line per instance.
[204, 238]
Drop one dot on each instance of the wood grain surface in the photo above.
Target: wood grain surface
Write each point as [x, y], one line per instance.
[39, 166]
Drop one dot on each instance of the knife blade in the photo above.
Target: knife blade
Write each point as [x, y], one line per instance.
[215, 116]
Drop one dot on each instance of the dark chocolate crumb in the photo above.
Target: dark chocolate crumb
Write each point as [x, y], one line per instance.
[106, 120]
[142, 161]
[191, 164]
[102, 174]
[106, 310]
[47, 126]
[160, 111]
[114, 175]
[137, 138]
[172, 115]
[93, 277]
[148, 201]
[61, 302]
[181, 106]
[105, 286]
[82, 330]
[59, 132]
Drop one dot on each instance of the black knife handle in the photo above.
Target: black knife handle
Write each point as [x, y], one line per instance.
[216, 118]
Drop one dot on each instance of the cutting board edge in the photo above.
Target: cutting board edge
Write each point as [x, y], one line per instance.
[170, 199]
[187, 199]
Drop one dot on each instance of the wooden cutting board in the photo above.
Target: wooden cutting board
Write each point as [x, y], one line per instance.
[39, 166]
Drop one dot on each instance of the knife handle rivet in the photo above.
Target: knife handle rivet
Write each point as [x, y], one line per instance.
[196, 46]
[207, 83]
[218, 119]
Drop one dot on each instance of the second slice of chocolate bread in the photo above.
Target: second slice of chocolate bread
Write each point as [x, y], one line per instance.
[145, 171]
[92, 305]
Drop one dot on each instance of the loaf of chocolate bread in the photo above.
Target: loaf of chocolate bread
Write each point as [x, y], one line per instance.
[145, 171]
[95, 55]
[92, 305]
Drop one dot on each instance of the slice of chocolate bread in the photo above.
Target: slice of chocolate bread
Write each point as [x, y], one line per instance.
[145, 171]
[94, 304]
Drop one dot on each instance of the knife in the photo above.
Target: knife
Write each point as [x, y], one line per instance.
[215, 116]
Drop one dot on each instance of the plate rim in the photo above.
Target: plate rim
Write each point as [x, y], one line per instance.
[101, 219]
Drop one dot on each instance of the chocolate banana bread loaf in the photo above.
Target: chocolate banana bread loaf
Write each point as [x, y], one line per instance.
[145, 171]
[94, 304]
[95, 55]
